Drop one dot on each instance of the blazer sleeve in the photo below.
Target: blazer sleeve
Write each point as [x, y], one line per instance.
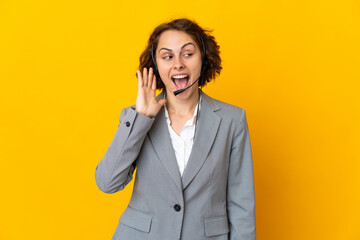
[240, 189]
[116, 168]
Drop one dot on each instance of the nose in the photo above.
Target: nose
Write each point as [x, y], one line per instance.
[178, 63]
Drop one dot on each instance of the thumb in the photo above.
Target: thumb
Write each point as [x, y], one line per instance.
[162, 102]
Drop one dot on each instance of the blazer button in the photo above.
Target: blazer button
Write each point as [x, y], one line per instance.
[177, 207]
[127, 124]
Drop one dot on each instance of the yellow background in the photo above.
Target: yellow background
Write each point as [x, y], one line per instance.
[67, 68]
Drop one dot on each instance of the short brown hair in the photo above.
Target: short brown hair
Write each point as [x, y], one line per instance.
[212, 53]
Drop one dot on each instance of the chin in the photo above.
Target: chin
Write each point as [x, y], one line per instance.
[188, 93]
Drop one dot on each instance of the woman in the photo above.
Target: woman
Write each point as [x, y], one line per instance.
[194, 177]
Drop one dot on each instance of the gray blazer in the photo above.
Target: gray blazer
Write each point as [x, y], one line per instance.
[214, 199]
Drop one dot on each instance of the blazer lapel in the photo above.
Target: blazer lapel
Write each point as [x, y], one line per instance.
[207, 127]
[160, 138]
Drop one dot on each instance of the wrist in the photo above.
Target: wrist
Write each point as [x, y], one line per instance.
[142, 112]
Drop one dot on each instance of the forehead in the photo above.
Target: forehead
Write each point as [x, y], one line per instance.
[174, 39]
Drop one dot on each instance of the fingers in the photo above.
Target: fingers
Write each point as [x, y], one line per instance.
[145, 77]
[150, 78]
[154, 83]
[140, 80]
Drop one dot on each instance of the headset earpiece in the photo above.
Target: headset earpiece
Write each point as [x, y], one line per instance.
[205, 63]
[156, 71]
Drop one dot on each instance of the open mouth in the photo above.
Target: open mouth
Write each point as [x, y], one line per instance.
[181, 81]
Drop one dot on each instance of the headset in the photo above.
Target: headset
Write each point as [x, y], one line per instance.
[204, 65]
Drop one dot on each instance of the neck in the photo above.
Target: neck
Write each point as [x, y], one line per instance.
[182, 107]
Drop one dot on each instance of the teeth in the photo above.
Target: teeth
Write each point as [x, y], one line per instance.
[180, 76]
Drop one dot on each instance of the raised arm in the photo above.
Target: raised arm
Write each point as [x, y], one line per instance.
[116, 168]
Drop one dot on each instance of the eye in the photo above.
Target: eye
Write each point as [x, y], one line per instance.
[167, 57]
[188, 54]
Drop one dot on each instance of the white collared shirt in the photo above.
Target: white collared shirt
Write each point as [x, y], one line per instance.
[182, 144]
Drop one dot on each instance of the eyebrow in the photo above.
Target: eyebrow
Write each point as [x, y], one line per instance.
[181, 47]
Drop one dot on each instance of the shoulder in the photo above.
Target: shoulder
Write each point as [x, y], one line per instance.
[226, 110]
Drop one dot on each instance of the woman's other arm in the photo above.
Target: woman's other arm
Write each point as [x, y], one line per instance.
[240, 192]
